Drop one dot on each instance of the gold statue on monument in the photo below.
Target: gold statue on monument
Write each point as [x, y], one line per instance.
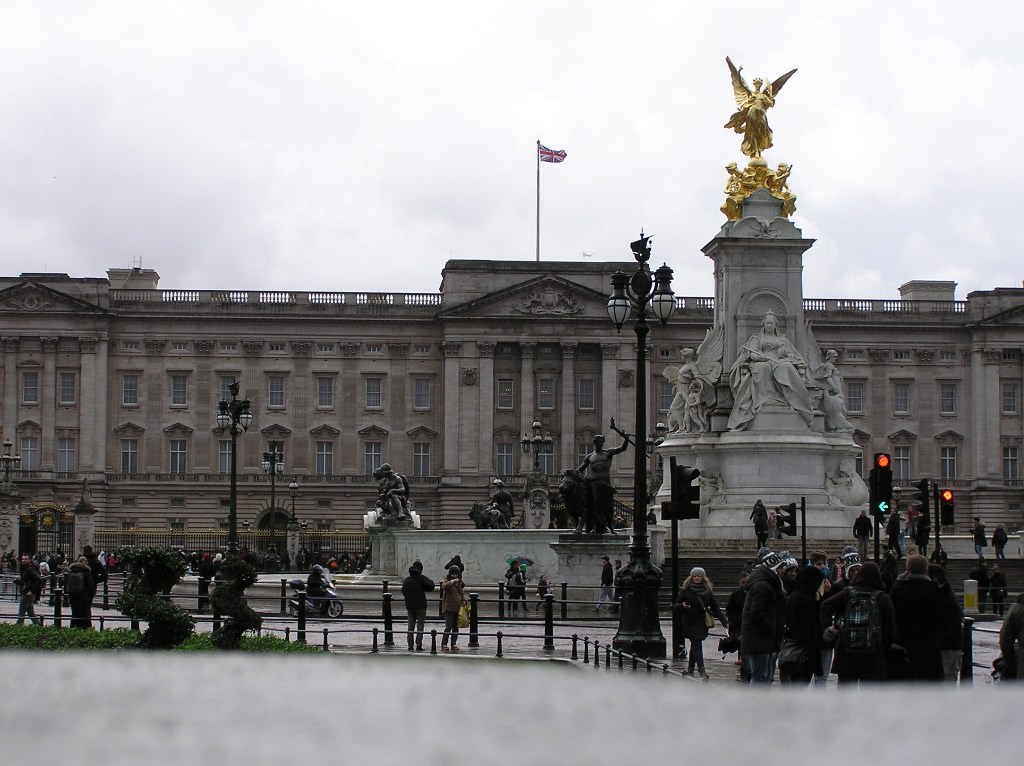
[751, 119]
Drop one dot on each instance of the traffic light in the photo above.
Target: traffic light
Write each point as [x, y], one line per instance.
[787, 520]
[685, 495]
[947, 507]
[923, 497]
[881, 485]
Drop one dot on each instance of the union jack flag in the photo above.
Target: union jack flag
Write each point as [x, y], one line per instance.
[550, 155]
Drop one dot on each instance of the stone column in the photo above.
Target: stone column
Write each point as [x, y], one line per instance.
[85, 524]
[486, 394]
[568, 415]
[527, 384]
[452, 352]
[10, 508]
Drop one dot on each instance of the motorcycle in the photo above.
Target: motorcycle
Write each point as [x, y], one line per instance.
[328, 605]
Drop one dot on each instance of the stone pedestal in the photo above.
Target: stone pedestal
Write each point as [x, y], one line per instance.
[739, 467]
[10, 508]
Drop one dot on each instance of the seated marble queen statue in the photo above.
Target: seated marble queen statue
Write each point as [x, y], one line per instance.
[768, 370]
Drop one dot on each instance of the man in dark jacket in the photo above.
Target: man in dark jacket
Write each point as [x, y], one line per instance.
[862, 531]
[951, 634]
[98, 571]
[850, 667]
[414, 590]
[764, 618]
[918, 604]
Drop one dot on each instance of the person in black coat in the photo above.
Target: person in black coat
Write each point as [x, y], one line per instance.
[764, 618]
[414, 591]
[919, 605]
[803, 628]
[859, 668]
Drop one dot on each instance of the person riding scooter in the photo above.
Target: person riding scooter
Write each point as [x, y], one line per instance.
[316, 583]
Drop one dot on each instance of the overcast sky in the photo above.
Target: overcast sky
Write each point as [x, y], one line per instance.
[352, 146]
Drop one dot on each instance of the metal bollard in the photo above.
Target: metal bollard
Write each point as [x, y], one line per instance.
[433, 641]
[326, 647]
[549, 622]
[474, 620]
[374, 648]
[300, 629]
[575, 653]
[498, 653]
[384, 586]
[565, 600]
[586, 650]
[597, 653]
[967, 663]
[58, 605]
[389, 633]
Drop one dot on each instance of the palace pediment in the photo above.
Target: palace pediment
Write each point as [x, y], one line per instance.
[546, 297]
[32, 296]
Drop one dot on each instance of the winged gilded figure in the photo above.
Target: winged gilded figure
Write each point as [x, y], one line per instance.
[751, 116]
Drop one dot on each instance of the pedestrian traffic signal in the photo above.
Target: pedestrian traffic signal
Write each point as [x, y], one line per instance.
[923, 497]
[787, 520]
[947, 507]
[685, 494]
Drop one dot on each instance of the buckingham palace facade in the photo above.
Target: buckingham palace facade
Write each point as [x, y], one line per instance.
[113, 384]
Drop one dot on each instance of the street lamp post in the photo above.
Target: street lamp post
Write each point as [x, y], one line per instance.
[234, 415]
[293, 491]
[639, 631]
[9, 461]
[273, 466]
[539, 444]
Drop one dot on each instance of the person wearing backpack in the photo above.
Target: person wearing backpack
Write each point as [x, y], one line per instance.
[999, 540]
[79, 586]
[861, 621]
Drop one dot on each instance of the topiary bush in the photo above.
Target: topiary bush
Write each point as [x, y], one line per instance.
[228, 600]
[146, 595]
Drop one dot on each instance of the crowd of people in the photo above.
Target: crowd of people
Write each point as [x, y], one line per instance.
[863, 621]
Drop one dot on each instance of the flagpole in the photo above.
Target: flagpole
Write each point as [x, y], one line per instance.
[538, 200]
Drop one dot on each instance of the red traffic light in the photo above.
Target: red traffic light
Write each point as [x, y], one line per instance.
[882, 460]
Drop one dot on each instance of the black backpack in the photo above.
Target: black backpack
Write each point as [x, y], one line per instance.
[860, 632]
[75, 583]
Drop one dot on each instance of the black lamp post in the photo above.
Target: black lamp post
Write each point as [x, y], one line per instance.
[639, 630]
[273, 466]
[9, 461]
[293, 490]
[234, 415]
[540, 444]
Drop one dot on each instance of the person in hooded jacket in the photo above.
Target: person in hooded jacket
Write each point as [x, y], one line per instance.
[918, 604]
[764, 618]
[803, 628]
[81, 601]
[849, 668]
[697, 599]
